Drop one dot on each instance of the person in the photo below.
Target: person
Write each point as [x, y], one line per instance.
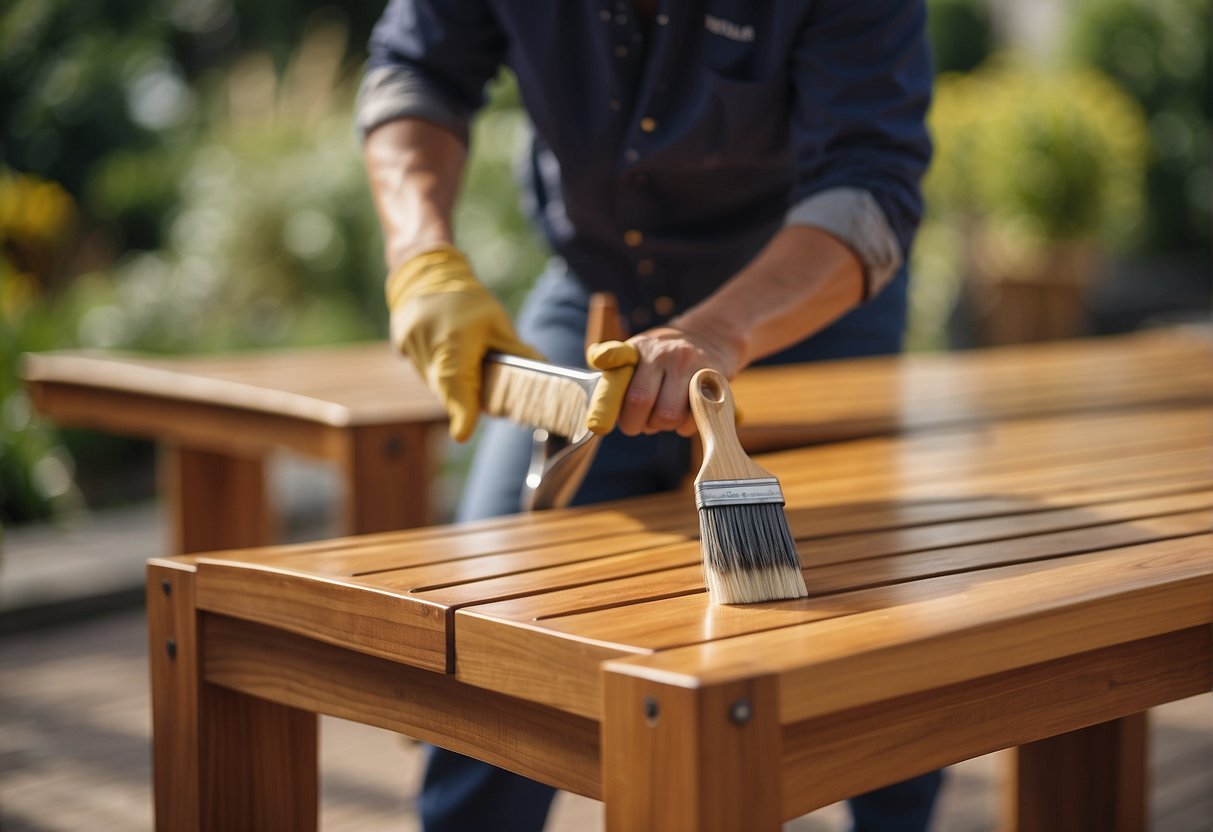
[744, 177]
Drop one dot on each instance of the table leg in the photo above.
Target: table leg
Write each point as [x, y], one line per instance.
[220, 759]
[677, 758]
[387, 478]
[215, 501]
[1091, 779]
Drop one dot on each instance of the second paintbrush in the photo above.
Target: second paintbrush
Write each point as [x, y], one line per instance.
[748, 551]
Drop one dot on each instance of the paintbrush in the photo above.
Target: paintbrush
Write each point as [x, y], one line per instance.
[538, 394]
[748, 551]
[555, 400]
[552, 397]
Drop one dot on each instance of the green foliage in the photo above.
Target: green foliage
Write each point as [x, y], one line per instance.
[36, 216]
[961, 34]
[248, 226]
[1057, 155]
[272, 239]
[1159, 51]
[81, 78]
[1025, 159]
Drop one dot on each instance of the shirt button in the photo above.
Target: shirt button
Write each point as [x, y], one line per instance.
[644, 268]
[604, 16]
[621, 19]
[631, 154]
[615, 105]
[648, 125]
[621, 51]
[664, 305]
[633, 237]
[663, 19]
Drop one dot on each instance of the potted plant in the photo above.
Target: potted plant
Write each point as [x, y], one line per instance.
[1043, 171]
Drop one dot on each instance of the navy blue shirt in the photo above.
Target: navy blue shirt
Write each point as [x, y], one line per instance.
[668, 152]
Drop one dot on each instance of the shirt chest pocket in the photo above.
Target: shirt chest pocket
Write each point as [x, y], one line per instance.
[739, 123]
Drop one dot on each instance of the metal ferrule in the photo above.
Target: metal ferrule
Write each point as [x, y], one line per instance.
[737, 492]
[587, 379]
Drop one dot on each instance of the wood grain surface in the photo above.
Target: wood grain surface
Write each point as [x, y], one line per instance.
[1033, 559]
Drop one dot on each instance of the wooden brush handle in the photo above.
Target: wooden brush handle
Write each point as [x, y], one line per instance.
[712, 407]
[602, 321]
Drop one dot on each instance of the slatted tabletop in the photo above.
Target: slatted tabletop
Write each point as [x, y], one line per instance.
[601, 583]
[786, 407]
[1027, 561]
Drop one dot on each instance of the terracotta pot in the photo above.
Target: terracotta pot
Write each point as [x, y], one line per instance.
[1029, 292]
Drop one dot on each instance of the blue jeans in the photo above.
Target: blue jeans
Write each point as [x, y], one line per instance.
[463, 794]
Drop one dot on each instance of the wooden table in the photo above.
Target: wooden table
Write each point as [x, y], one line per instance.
[1015, 578]
[365, 410]
[360, 407]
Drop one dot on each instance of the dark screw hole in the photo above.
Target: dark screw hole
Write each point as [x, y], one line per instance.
[170, 647]
[650, 710]
[741, 712]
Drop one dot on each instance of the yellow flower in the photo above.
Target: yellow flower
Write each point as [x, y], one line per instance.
[34, 210]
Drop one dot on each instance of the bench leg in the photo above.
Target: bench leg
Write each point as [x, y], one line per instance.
[215, 501]
[220, 759]
[1091, 779]
[676, 758]
[387, 478]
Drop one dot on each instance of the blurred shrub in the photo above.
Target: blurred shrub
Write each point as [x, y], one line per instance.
[272, 239]
[1159, 51]
[961, 34]
[1058, 155]
[268, 237]
[80, 78]
[1028, 162]
[36, 217]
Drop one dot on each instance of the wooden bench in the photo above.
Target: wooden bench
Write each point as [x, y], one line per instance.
[1033, 580]
[360, 407]
[366, 411]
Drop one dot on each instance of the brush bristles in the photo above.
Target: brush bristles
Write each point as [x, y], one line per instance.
[558, 405]
[749, 554]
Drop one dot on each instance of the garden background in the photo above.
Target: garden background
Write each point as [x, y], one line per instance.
[182, 176]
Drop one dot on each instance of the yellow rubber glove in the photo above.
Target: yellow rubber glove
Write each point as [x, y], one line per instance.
[445, 320]
[618, 361]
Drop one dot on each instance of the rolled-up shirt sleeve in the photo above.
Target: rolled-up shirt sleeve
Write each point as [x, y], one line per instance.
[861, 77]
[430, 59]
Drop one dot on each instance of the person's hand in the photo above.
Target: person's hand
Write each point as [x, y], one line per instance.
[445, 320]
[668, 356]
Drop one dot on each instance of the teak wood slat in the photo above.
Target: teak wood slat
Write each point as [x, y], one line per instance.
[1037, 573]
[423, 579]
[869, 396]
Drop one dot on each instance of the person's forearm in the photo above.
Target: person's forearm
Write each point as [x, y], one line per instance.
[801, 281]
[414, 169]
